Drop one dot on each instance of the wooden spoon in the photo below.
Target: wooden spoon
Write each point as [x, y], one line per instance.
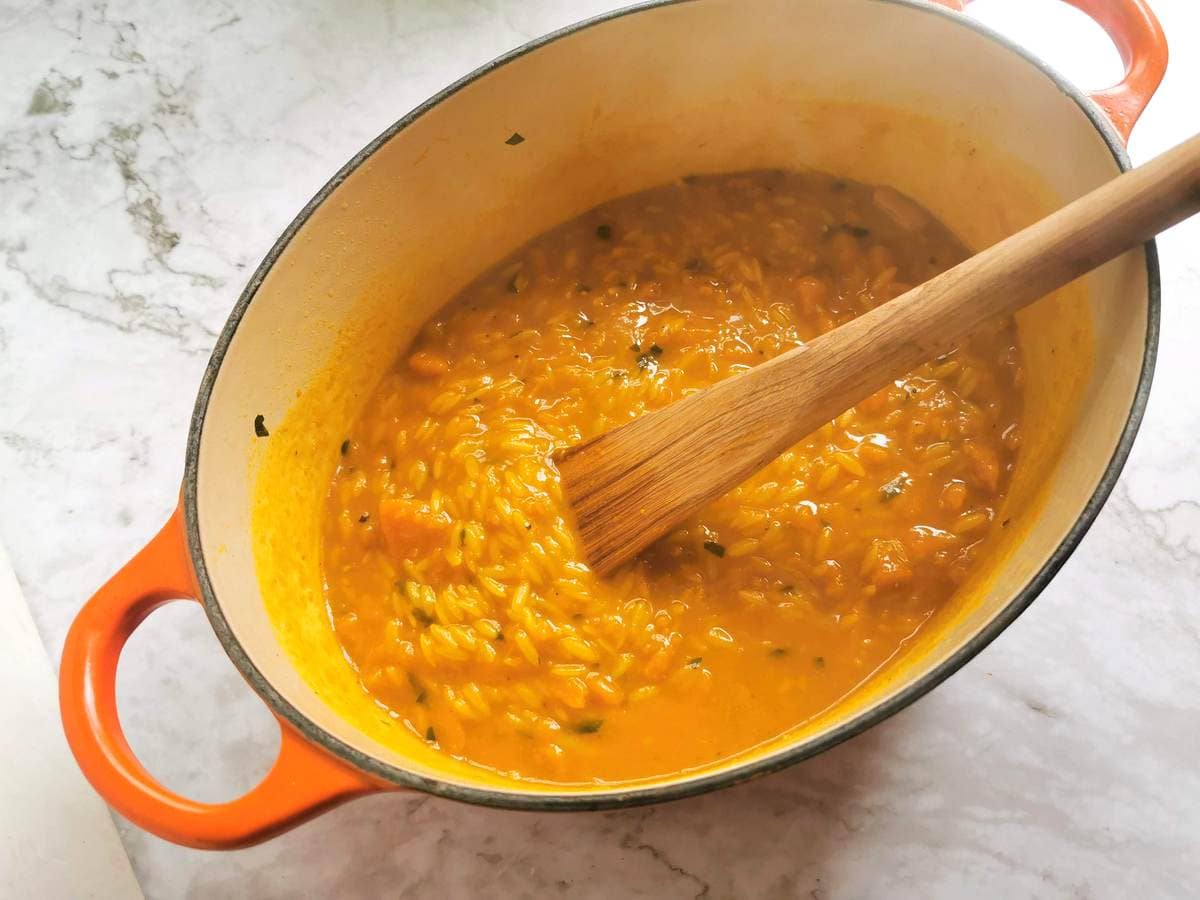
[635, 483]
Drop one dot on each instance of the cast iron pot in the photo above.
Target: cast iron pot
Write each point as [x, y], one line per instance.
[981, 132]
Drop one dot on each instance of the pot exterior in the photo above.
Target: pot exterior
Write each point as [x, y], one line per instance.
[446, 184]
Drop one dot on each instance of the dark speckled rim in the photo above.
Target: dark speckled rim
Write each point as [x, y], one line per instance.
[686, 786]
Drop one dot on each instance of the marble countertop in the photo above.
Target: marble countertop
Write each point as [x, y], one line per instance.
[150, 153]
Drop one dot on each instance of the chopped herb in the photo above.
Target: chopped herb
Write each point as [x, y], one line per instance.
[364, 517]
[582, 288]
[819, 662]
[499, 635]
[693, 663]
[589, 726]
[418, 689]
[714, 548]
[894, 488]
[604, 232]
[788, 589]
[645, 360]
[462, 537]
[259, 428]
[515, 139]
[345, 446]
[431, 735]
[1004, 524]
[421, 616]
[779, 652]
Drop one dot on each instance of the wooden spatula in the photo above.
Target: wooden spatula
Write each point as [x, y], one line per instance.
[633, 484]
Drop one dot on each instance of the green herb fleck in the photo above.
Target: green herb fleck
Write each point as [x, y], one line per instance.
[604, 232]
[364, 517]
[260, 429]
[345, 446]
[788, 589]
[894, 488]
[462, 537]
[514, 139]
[714, 548]
[589, 726]
[693, 663]
[431, 735]
[582, 288]
[636, 348]
[655, 350]
[779, 652]
[819, 662]
[422, 696]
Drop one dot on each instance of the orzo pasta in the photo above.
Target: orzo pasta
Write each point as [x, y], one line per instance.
[454, 579]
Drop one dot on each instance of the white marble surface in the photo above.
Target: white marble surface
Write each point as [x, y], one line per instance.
[149, 155]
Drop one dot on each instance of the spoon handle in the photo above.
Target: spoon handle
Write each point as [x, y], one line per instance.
[632, 485]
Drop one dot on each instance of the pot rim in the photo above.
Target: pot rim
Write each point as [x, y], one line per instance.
[681, 786]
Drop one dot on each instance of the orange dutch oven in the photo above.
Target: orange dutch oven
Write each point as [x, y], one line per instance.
[899, 92]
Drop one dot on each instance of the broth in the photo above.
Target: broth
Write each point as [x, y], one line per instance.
[454, 579]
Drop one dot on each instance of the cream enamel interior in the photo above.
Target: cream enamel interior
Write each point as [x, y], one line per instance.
[975, 132]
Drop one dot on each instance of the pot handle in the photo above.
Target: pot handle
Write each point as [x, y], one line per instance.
[1143, 48]
[303, 782]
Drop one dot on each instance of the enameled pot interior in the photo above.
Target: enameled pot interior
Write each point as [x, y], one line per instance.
[978, 133]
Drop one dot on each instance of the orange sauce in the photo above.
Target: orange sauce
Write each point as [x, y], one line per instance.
[454, 579]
